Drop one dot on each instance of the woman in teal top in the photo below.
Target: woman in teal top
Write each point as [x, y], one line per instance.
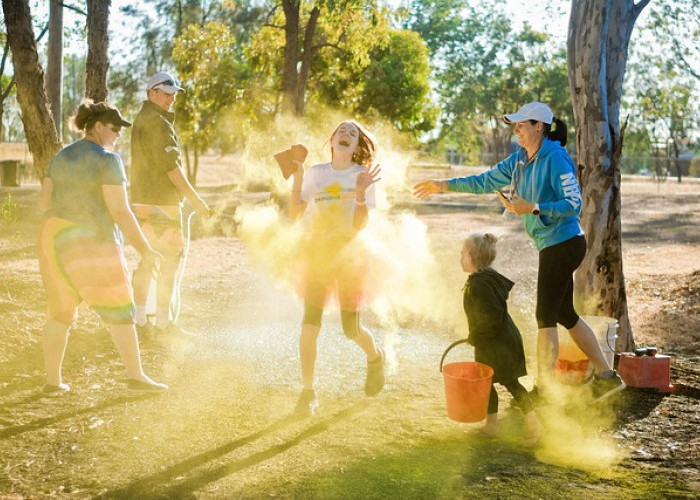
[544, 191]
[84, 201]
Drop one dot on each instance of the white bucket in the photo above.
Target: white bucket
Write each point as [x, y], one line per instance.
[605, 329]
[607, 342]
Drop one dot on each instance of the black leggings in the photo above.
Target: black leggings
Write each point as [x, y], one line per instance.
[349, 319]
[555, 283]
[522, 398]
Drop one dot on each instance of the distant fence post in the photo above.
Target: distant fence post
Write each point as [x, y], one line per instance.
[10, 173]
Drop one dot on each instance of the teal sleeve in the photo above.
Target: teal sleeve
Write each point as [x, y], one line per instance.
[565, 185]
[486, 182]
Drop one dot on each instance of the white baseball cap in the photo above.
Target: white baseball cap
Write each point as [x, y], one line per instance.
[537, 111]
[165, 82]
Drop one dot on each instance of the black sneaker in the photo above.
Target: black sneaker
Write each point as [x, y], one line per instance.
[307, 404]
[603, 388]
[374, 383]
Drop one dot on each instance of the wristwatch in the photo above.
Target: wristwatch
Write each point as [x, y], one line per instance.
[536, 209]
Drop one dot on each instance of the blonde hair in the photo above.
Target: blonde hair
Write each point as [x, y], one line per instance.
[481, 249]
[87, 114]
[366, 143]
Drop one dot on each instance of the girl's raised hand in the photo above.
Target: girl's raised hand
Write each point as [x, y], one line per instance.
[367, 178]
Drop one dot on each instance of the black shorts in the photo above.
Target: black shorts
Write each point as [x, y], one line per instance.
[555, 283]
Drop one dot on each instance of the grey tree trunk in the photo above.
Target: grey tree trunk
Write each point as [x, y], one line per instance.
[598, 39]
[291, 54]
[38, 124]
[98, 44]
[306, 59]
[54, 65]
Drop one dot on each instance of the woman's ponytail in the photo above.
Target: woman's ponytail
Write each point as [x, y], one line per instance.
[556, 131]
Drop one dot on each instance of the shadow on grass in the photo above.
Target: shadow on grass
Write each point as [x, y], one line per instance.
[457, 465]
[158, 485]
[86, 341]
[467, 467]
[47, 421]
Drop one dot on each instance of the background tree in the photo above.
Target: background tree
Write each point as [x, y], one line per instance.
[98, 45]
[675, 25]
[54, 65]
[662, 91]
[348, 29]
[665, 106]
[483, 67]
[396, 83]
[206, 62]
[36, 117]
[393, 84]
[7, 82]
[598, 41]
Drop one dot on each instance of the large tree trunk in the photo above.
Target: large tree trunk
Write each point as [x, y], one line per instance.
[291, 54]
[98, 43]
[598, 39]
[306, 59]
[38, 124]
[54, 65]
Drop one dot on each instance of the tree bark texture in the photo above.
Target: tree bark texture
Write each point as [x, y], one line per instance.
[38, 124]
[98, 44]
[54, 65]
[306, 57]
[598, 39]
[291, 54]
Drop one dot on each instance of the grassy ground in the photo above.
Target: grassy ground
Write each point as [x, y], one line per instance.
[225, 429]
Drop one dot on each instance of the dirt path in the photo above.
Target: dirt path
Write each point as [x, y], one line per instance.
[224, 430]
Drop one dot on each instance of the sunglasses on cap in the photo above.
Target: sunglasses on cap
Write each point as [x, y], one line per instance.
[169, 83]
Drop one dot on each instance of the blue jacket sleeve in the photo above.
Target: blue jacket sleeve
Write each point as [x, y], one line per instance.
[486, 182]
[565, 185]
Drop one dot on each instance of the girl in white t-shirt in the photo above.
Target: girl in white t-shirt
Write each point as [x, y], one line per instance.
[334, 198]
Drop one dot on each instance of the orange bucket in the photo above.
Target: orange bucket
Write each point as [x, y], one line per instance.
[467, 388]
[572, 364]
[572, 372]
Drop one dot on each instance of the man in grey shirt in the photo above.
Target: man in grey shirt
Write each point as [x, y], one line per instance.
[159, 187]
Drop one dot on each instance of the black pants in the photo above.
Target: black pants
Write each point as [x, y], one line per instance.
[522, 398]
[555, 283]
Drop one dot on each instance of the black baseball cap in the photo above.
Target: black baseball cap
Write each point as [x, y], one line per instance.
[112, 116]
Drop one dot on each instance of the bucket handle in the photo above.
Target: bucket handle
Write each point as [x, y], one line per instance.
[449, 348]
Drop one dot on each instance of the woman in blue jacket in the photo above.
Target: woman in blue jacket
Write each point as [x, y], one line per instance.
[545, 192]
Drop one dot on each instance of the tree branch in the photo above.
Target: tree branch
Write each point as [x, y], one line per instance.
[5, 53]
[43, 32]
[7, 90]
[328, 44]
[205, 15]
[70, 7]
[679, 54]
[638, 8]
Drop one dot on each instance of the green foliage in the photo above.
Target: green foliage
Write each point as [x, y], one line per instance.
[396, 83]
[206, 62]
[484, 68]
[9, 210]
[675, 28]
[345, 36]
[661, 101]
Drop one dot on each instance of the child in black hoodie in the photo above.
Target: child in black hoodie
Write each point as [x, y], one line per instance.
[496, 340]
